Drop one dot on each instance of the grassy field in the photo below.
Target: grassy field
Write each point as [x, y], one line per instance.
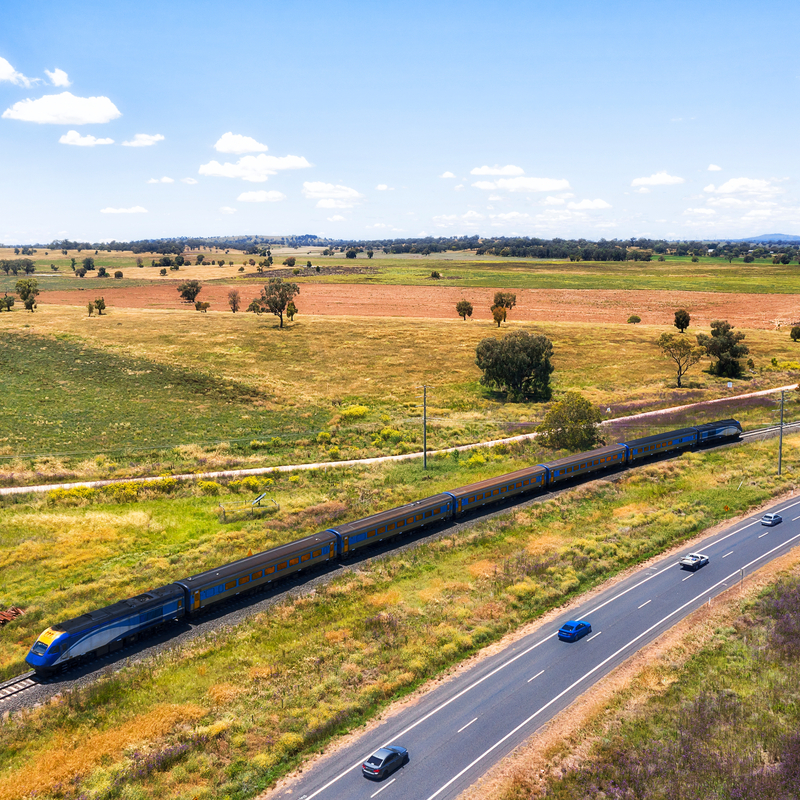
[136, 385]
[228, 715]
[457, 269]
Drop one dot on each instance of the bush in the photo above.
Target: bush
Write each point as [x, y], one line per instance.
[795, 334]
[334, 452]
[323, 437]
[436, 275]
[118, 274]
[634, 319]
[163, 272]
[209, 487]
[354, 412]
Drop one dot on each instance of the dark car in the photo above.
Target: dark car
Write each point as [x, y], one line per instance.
[771, 519]
[573, 630]
[385, 761]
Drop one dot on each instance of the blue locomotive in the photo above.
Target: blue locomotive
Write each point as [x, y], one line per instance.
[111, 628]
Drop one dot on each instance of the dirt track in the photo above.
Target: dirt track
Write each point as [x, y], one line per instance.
[438, 302]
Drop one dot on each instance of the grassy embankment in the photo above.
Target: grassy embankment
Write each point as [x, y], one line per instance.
[229, 714]
[135, 386]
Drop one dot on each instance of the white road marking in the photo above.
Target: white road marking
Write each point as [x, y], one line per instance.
[728, 554]
[466, 726]
[594, 636]
[600, 665]
[644, 604]
[690, 575]
[383, 787]
[535, 676]
[763, 534]
[795, 519]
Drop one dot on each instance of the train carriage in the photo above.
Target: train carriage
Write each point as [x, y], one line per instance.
[491, 490]
[716, 431]
[219, 584]
[106, 629]
[394, 522]
[564, 469]
[648, 446]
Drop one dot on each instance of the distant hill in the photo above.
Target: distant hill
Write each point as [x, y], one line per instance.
[772, 237]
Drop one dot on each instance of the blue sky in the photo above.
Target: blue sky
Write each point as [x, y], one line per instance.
[370, 120]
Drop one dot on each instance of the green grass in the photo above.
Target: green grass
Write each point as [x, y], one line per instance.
[275, 689]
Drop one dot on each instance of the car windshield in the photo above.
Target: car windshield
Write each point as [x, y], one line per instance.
[374, 761]
[568, 628]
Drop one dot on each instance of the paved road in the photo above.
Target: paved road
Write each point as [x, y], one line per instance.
[459, 730]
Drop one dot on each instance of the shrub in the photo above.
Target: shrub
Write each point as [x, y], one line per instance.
[163, 272]
[795, 334]
[436, 275]
[118, 274]
[78, 495]
[323, 437]
[354, 412]
[334, 452]
[209, 487]
[634, 319]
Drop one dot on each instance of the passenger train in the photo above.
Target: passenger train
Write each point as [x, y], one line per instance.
[111, 628]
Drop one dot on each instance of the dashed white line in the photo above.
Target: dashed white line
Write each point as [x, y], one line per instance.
[383, 787]
[594, 636]
[535, 676]
[763, 534]
[644, 604]
[728, 554]
[795, 519]
[690, 575]
[466, 726]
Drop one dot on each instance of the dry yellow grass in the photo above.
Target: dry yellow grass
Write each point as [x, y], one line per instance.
[84, 750]
[224, 693]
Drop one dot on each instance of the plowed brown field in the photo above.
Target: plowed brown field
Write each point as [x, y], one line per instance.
[562, 305]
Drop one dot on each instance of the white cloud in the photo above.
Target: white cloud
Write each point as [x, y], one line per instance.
[73, 137]
[553, 201]
[510, 216]
[378, 225]
[58, 77]
[237, 144]
[592, 204]
[524, 184]
[227, 210]
[703, 211]
[508, 169]
[188, 180]
[8, 73]
[495, 197]
[144, 140]
[336, 218]
[658, 179]
[255, 169]
[459, 188]
[165, 179]
[382, 187]
[133, 210]
[714, 168]
[748, 186]
[64, 109]
[643, 190]
[447, 175]
[472, 215]
[329, 195]
[261, 197]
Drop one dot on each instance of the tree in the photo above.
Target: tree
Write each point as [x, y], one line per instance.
[255, 306]
[275, 296]
[189, 290]
[795, 333]
[351, 253]
[724, 345]
[498, 314]
[682, 320]
[290, 261]
[234, 300]
[571, 424]
[6, 302]
[100, 305]
[681, 351]
[634, 319]
[221, 262]
[291, 310]
[200, 258]
[519, 363]
[90, 307]
[139, 261]
[506, 300]
[27, 289]
[88, 263]
[464, 309]
[370, 253]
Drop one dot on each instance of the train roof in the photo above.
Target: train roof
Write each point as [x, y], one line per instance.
[489, 483]
[393, 513]
[255, 561]
[720, 423]
[657, 437]
[588, 456]
[123, 608]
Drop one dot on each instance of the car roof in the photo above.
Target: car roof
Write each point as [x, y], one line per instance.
[382, 753]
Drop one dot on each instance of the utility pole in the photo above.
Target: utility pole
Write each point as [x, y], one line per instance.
[425, 426]
[780, 445]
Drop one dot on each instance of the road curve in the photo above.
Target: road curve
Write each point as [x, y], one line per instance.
[459, 730]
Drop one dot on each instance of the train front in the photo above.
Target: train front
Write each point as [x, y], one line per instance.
[47, 650]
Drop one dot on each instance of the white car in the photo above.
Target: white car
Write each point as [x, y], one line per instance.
[694, 561]
[771, 520]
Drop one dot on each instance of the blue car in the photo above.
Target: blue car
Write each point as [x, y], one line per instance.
[573, 630]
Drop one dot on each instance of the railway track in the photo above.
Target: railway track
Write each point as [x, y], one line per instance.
[788, 427]
[15, 686]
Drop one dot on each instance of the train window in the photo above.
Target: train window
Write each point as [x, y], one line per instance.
[401, 523]
[410, 520]
[245, 579]
[419, 517]
[230, 585]
[294, 561]
[391, 527]
[428, 514]
[437, 510]
[382, 530]
[317, 553]
[495, 492]
[282, 565]
[180, 603]
[269, 570]
[257, 575]
[370, 534]
[305, 556]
